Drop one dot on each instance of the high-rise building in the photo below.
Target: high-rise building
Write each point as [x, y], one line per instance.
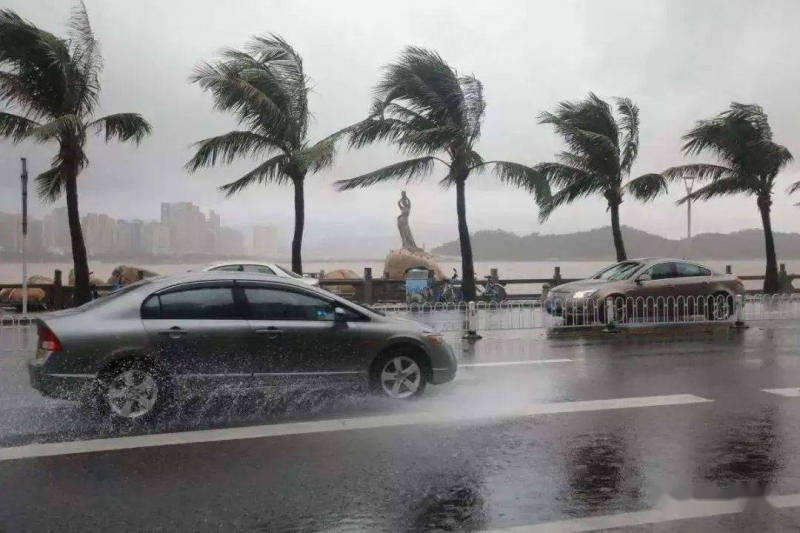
[187, 226]
[99, 233]
[124, 236]
[60, 223]
[265, 241]
[156, 238]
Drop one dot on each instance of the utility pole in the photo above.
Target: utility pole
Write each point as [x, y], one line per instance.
[24, 177]
[688, 182]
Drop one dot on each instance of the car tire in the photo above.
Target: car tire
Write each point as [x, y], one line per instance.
[715, 307]
[400, 374]
[132, 391]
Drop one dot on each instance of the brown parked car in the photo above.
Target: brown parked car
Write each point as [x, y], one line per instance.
[647, 289]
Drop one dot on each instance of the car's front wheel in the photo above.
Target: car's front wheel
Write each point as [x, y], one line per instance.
[132, 391]
[400, 375]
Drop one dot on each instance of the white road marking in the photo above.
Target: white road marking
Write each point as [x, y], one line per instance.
[793, 392]
[345, 424]
[668, 510]
[512, 363]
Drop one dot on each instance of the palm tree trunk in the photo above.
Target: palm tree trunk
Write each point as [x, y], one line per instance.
[79, 259]
[299, 222]
[617, 231]
[771, 283]
[467, 267]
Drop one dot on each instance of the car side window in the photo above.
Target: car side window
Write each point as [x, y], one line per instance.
[228, 268]
[689, 270]
[662, 271]
[261, 269]
[201, 303]
[276, 304]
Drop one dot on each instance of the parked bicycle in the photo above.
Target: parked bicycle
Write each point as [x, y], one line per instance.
[488, 291]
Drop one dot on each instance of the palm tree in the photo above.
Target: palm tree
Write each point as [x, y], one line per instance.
[264, 86]
[434, 115]
[54, 83]
[793, 188]
[601, 150]
[750, 161]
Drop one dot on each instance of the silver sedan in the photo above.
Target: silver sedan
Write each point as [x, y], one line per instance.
[132, 351]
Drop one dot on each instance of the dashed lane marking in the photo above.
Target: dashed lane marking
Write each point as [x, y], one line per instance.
[793, 392]
[346, 424]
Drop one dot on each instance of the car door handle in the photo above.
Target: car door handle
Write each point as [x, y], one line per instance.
[174, 332]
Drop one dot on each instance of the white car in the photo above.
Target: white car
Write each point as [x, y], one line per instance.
[262, 268]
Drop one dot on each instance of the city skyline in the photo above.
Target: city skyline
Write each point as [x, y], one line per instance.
[182, 228]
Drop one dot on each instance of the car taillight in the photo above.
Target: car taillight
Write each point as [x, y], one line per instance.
[739, 282]
[48, 340]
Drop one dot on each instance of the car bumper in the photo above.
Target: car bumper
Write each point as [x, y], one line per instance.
[574, 308]
[444, 365]
[60, 386]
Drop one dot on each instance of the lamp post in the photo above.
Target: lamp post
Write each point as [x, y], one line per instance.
[688, 182]
[24, 178]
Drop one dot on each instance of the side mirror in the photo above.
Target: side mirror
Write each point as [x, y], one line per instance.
[339, 314]
[643, 277]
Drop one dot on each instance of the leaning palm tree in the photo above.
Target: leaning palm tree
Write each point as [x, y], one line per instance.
[601, 150]
[741, 139]
[53, 83]
[431, 113]
[793, 188]
[265, 88]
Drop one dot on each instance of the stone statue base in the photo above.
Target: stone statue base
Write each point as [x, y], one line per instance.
[398, 262]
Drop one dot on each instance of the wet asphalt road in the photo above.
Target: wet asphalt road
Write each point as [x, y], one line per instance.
[479, 464]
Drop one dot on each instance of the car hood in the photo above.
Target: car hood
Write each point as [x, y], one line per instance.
[410, 324]
[582, 285]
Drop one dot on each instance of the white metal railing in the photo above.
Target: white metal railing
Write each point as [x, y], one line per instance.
[555, 313]
[17, 332]
[771, 307]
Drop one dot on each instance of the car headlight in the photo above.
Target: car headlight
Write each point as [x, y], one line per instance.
[435, 339]
[583, 294]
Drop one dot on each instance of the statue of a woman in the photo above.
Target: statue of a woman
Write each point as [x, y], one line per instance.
[402, 223]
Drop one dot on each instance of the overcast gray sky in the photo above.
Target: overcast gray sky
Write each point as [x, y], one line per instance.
[680, 60]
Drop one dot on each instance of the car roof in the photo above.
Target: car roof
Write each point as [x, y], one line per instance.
[188, 277]
[239, 262]
[662, 259]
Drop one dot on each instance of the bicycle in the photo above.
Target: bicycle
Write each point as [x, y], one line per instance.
[490, 291]
[451, 291]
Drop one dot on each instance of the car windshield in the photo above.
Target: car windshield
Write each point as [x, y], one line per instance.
[289, 272]
[618, 271]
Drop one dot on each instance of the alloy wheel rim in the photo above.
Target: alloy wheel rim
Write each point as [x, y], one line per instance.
[132, 393]
[401, 377]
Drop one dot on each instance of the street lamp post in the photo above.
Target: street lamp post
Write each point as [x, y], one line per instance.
[688, 182]
[24, 177]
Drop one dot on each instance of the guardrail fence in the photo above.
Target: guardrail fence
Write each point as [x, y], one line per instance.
[609, 313]
[19, 332]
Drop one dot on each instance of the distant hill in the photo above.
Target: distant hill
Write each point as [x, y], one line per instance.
[597, 244]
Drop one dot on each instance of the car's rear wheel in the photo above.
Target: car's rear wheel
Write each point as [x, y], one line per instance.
[400, 375]
[132, 391]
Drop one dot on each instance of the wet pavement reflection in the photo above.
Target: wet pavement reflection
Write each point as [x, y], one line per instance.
[455, 475]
